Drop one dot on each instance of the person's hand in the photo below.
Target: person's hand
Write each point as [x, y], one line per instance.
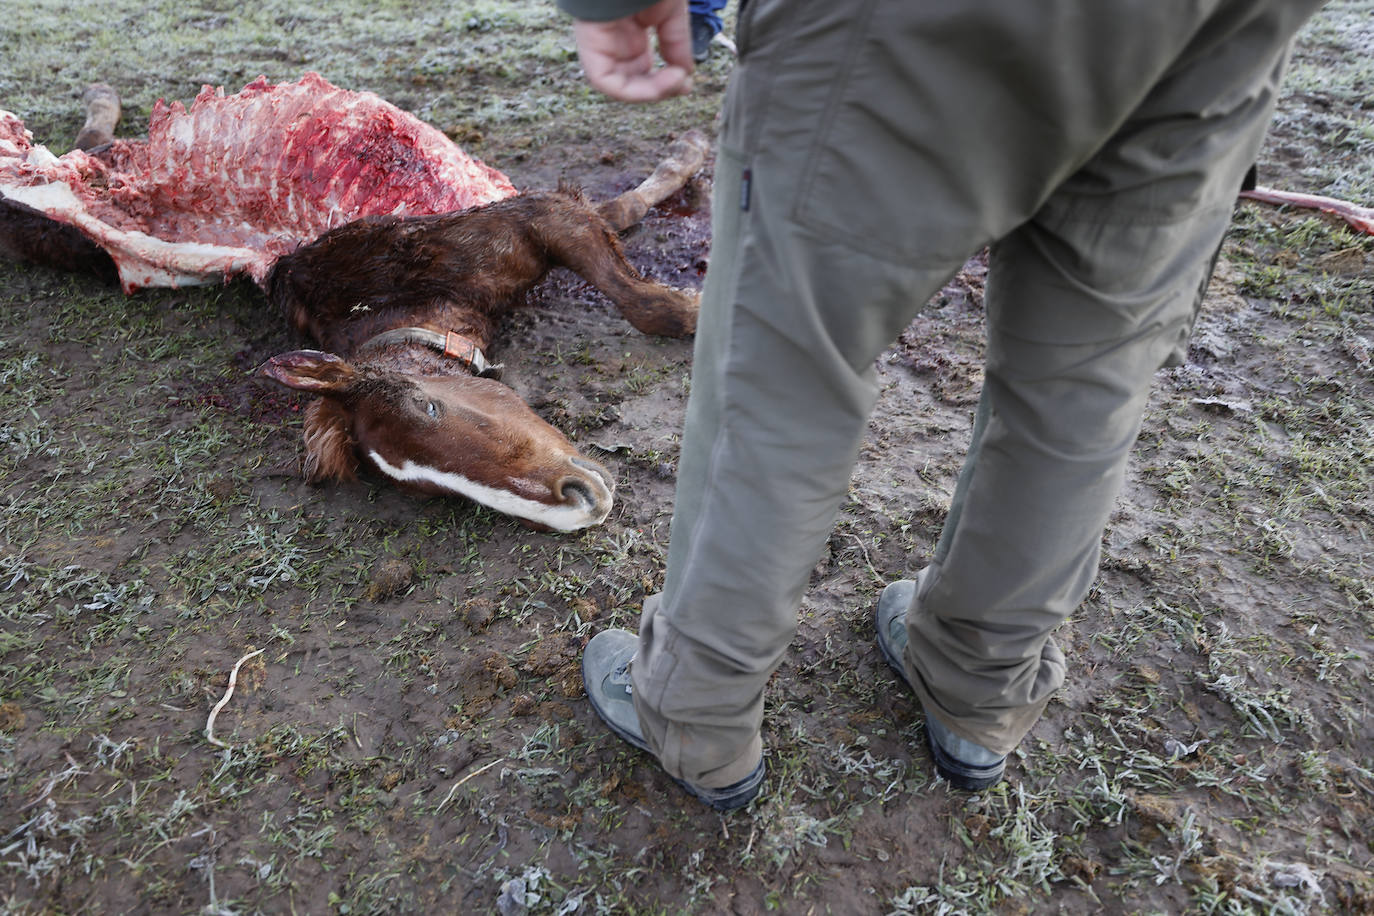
[618, 57]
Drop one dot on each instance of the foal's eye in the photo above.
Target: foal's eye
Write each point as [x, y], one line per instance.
[432, 409]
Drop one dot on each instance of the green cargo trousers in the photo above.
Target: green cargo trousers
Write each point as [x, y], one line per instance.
[867, 150]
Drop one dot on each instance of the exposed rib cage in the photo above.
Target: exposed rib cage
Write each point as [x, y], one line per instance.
[236, 181]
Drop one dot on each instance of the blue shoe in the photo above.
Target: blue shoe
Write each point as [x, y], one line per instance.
[606, 676]
[966, 765]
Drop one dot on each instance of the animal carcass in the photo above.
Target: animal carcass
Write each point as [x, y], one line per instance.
[378, 237]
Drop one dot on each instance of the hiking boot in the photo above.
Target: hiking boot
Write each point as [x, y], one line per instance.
[606, 676]
[702, 34]
[966, 765]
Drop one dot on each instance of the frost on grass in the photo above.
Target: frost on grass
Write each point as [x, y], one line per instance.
[1267, 712]
[787, 834]
[535, 889]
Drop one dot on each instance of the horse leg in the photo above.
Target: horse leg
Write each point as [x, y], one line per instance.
[577, 237]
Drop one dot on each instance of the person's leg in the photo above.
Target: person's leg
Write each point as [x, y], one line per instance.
[781, 392]
[706, 24]
[1084, 302]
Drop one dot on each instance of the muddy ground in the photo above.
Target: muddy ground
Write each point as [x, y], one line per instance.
[414, 737]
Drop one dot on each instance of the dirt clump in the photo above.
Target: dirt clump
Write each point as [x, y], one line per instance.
[12, 718]
[390, 578]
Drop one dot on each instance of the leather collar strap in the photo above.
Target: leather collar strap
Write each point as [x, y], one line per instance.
[451, 344]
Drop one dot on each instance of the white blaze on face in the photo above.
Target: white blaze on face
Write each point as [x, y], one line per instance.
[560, 518]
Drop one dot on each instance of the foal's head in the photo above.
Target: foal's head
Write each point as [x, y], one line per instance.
[459, 434]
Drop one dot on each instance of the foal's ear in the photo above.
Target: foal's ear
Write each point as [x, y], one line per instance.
[310, 370]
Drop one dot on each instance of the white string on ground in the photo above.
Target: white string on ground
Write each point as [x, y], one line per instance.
[448, 798]
[229, 692]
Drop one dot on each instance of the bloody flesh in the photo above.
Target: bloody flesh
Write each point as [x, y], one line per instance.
[236, 181]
